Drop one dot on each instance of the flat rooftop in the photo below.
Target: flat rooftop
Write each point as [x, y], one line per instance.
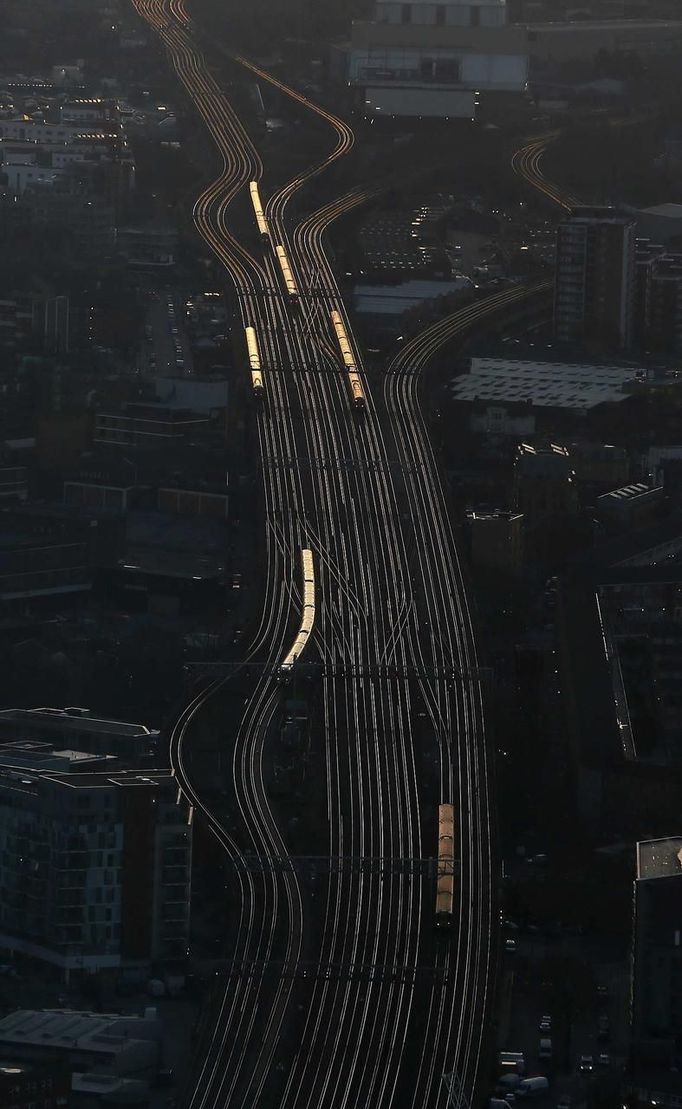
[607, 25]
[73, 720]
[629, 493]
[545, 384]
[392, 300]
[42, 756]
[660, 858]
[670, 211]
[61, 1028]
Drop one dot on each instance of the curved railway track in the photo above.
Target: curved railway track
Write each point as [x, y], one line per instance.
[394, 636]
[527, 163]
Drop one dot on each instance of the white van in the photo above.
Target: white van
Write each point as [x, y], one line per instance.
[532, 1087]
[512, 1061]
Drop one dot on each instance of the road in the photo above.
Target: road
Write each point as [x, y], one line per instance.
[341, 993]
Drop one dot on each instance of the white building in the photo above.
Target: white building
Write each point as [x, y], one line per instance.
[433, 58]
[24, 129]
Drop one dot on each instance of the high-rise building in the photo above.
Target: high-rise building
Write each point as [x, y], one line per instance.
[595, 278]
[657, 973]
[94, 863]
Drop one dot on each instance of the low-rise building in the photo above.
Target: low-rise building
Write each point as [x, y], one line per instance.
[148, 247]
[496, 419]
[433, 59]
[567, 385]
[630, 505]
[79, 729]
[99, 1042]
[600, 464]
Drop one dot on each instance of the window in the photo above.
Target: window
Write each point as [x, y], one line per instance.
[440, 15]
[406, 13]
[475, 17]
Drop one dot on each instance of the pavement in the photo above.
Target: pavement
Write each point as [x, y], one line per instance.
[159, 355]
[535, 984]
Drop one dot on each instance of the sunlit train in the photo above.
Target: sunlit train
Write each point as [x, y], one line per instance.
[445, 882]
[307, 617]
[354, 379]
[261, 221]
[291, 286]
[254, 361]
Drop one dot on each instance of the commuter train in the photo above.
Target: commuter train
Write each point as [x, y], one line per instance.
[354, 379]
[445, 881]
[261, 221]
[289, 282]
[254, 361]
[307, 617]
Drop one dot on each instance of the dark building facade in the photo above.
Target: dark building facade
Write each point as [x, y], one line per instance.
[595, 278]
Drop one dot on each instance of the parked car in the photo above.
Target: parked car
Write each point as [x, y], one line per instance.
[604, 1059]
[545, 1050]
[564, 1102]
[545, 1024]
[532, 1087]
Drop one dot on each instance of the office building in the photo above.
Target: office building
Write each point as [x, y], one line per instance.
[432, 58]
[95, 863]
[657, 973]
[496, 541]
[630, 505]
[544, 481]
[595, 278]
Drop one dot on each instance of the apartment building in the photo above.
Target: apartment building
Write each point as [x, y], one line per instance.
[94, 863]
[595, 278]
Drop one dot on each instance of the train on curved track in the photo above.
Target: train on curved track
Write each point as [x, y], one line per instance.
[445, 880]
[307, 617]
[354, 380]
[254, 361]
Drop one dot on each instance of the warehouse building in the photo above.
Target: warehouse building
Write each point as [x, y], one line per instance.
[433, 59]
